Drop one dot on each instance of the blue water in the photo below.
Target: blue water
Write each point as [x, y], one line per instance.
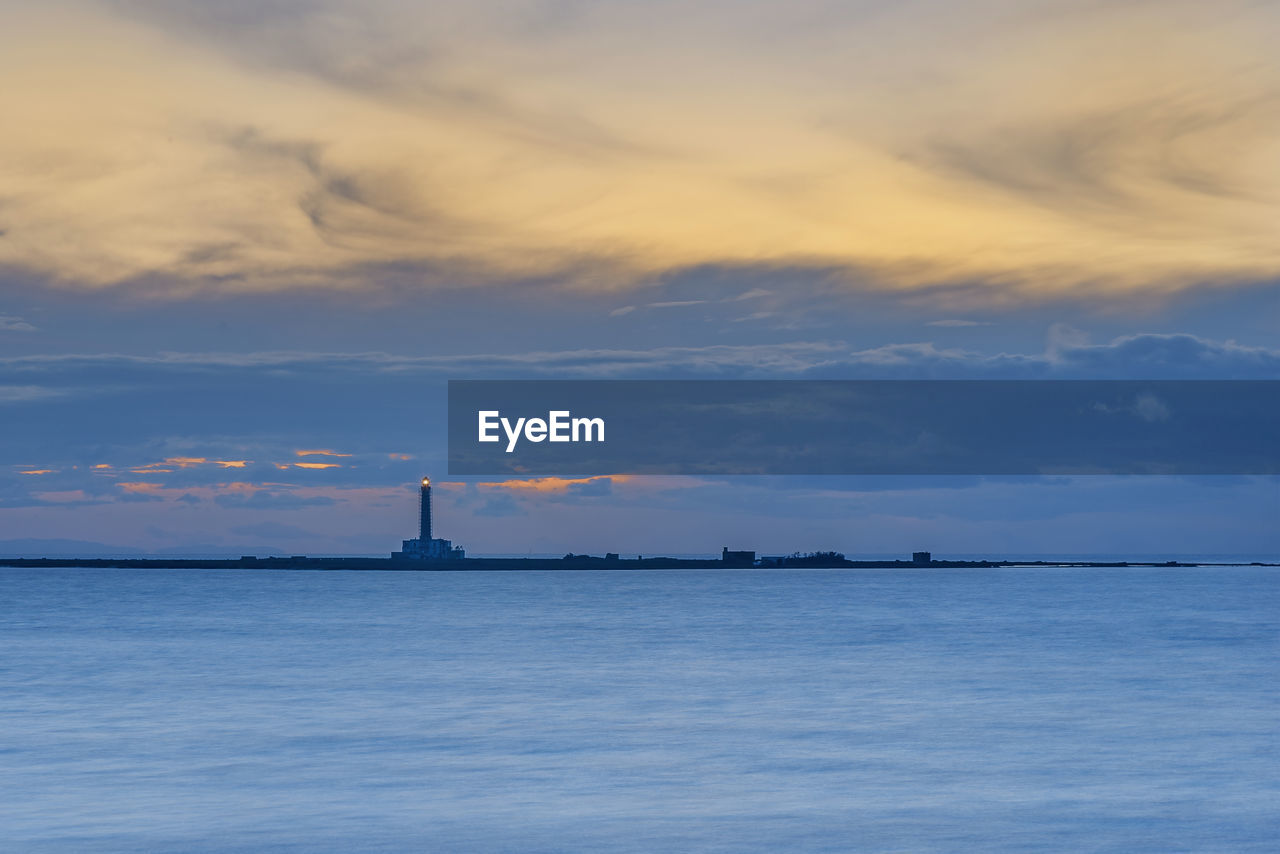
[1123, 710]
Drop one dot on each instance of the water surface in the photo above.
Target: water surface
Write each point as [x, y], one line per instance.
[921, 710]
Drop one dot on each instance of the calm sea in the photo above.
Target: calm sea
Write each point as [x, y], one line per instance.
[1125, 710]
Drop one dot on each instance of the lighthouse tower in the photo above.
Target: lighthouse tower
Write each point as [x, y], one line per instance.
[424, 510]
[427, 547]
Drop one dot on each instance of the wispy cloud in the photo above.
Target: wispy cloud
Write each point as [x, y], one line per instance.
[753, 293]
[679, 303]
[1022, 150]
[26, 393]
[8, 323]
[1066, 350]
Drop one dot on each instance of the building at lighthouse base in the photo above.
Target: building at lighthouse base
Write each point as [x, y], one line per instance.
[433, 549]
[425, 546]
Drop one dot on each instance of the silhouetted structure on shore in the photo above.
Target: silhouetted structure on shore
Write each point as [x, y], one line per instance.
[426, 547]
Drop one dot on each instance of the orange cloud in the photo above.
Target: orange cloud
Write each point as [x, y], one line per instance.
[320, 453]
[37, 471]
[142, 488]
[319, 465]
[239, 487]
[550, 484]
[170, 463]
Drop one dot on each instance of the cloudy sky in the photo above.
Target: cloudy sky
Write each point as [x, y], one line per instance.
[244, 245]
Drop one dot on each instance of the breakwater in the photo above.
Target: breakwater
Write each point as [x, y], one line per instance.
[569, 562]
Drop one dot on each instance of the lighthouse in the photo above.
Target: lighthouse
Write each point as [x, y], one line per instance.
[424, 511]
[426, 546]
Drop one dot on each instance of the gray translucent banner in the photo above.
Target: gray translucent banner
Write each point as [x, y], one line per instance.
[972, 427]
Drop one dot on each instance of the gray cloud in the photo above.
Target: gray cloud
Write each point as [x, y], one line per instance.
[269, 500]
[593, 488]
[9, 323]
[342, 202]
[500, 506]
[1168, 356]
[680, 303]
[25, 393]
[1139, 356]
[386, 49]
[1113, 162]
[1148, 407]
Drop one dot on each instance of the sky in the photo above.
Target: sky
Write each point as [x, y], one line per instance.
[243, 247]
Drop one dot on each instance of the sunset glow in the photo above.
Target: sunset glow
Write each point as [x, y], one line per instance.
[1038, 147]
